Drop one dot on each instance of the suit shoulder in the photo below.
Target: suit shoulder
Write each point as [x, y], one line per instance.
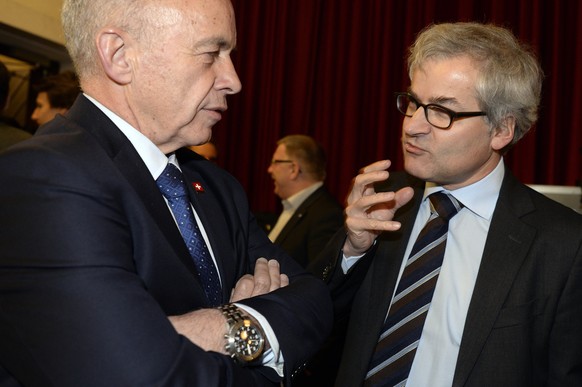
[552, 211]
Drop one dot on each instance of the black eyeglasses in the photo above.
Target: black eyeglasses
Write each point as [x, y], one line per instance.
[276, 161]
[436, 115]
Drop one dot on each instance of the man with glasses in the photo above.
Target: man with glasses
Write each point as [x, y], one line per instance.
[501, 303]
[311, 215]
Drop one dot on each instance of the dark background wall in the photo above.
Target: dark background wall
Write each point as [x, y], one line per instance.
[329, 68]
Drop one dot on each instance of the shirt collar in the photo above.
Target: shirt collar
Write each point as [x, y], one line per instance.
[294, 201]
[154, 159]
[479, 197]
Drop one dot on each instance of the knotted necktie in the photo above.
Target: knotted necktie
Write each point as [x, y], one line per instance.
[171, 184]
[394, 353]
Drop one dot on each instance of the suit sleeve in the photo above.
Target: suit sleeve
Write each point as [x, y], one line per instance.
[300, 312]
[329, 220]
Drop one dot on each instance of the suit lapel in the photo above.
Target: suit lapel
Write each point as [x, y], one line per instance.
[132, 167]
[299, 214]
[507, 244]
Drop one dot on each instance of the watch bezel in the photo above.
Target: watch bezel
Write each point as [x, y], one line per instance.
[234, 335]
[236, 322]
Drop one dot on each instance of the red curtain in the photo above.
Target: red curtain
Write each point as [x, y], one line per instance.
[329, 68]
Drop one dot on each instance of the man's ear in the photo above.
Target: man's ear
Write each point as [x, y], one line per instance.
[503, 134]
[295, 171]
[113, 54]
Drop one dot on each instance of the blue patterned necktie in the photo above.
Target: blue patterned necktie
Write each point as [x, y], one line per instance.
[394, 353]
[171, 184]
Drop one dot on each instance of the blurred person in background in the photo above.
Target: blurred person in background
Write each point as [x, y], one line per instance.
[9, 133]
[207, 150]
[311, 215]
[55, 95]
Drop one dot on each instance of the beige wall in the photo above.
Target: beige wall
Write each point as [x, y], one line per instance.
[38, 17]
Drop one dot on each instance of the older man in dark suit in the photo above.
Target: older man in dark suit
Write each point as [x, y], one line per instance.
[455, 273]
[126, 260]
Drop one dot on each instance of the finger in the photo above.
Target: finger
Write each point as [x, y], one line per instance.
[262, 278]
[376, 166]
[284, 280]
[243, 288]
[274, 274]
[357, 226]
[366, 180]
[365, 203]
[363, 184]
[403, 196]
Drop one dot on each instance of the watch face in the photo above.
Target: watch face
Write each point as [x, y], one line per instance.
[248, 341]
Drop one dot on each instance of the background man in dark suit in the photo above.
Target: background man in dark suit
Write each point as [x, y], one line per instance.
[98, 287]
[506, 307]
[311, 215]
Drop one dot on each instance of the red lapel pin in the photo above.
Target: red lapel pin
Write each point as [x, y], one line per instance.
[198, 187]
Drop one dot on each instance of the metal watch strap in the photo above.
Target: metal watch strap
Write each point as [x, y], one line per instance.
[232, 313]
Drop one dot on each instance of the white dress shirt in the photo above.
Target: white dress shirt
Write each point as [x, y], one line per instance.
[436, 356]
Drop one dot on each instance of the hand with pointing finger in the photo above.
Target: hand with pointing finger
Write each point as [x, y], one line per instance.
[368, 212]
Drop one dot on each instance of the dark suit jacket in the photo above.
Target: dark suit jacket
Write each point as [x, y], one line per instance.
[91, 263]
[311, 227]
[524, 319]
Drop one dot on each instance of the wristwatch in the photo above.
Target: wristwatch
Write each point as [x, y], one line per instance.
[245, 340]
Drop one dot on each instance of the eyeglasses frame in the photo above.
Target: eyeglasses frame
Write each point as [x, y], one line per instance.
[279, 161]
[451, 113]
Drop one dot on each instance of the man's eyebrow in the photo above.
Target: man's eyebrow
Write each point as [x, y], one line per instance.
[215, 42]
[438, 100]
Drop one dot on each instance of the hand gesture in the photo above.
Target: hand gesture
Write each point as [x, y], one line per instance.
[368, 212]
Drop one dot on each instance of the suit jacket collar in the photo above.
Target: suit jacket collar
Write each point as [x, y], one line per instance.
[300, 213]
[507, 244]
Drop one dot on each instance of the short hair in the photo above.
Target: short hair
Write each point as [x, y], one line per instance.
[308, 152]
[510, 79]
[82, 19]
[61, 89]
[4, 85]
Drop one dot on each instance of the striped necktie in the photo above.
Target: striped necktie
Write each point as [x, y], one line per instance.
[394, 353]
[171, 184]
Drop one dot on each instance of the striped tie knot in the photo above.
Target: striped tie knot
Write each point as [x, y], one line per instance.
[445, 205]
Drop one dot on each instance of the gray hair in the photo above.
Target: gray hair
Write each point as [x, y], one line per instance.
[82, 19]
[510, 79]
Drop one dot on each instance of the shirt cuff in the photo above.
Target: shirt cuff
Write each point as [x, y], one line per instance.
[349, 262]
[273, 357]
